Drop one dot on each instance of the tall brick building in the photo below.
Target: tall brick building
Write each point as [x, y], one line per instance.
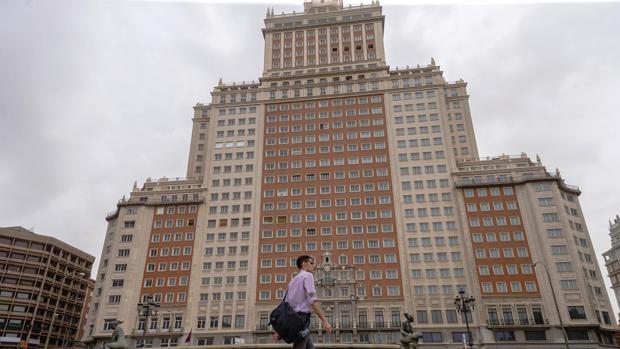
[375, 172]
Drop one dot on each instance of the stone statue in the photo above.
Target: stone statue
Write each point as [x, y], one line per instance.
[408, 338]
[118, 337]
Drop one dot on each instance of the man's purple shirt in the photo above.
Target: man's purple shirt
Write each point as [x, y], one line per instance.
[301, 292]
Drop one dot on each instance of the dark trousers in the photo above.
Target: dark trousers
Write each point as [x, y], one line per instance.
[305, 343]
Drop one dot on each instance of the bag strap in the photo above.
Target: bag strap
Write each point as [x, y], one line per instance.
[285, 293]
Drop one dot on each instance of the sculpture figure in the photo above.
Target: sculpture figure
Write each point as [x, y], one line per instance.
[118, 337]
[408, 338]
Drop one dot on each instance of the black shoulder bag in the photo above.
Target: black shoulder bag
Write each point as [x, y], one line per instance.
[286, 322]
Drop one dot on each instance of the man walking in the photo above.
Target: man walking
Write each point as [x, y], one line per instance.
[302, 298]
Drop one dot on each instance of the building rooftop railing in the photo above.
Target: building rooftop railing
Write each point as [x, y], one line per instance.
[272, 15]
[472, 182]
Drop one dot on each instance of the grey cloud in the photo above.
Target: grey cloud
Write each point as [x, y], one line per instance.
[95, 95]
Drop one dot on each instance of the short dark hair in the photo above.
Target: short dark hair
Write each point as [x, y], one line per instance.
[301, 259]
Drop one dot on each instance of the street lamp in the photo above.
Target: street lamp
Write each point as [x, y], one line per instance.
[146, 309]
[555, 301]
[465, 305]
[54, 316]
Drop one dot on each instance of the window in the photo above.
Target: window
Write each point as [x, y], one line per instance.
[576, 312]
[431, 337]
[504, 336]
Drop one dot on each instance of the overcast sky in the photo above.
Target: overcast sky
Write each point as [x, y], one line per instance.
[96, 94]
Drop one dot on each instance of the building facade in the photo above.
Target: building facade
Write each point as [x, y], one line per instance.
[375, 172]
[612, 257]
[44, 286]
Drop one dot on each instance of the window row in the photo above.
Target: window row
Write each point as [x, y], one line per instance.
[237, 169]
[176, 209]
[172, 281]
[496, 206]
[232, 250]
[376, 291]
[174, 251]
[227, 195]
[432, 274]
[243, 97]
[241, 110]
[406, 81]
[411, 119]
[207, 266]
[432, 197]
[424, 212]
[172, 266]
[201, 321]
[359, 55]
[233, 209]
[427, 155]
[503, 236]
[337, 102]
[226, 296]
[368, 200]
[178, 297]
[285, 128]
[426, 226]
[435, 257]
[325, 137]
[329, 216]
[324, 231]
[412, 95]
[327, 189]
[443, 273]
[493, 221]
[229, 156]
[515, 286]
[418, 170]
[390, 274]
[448, 290]
[312, 163]
[417, 106]
[506, 252]
[459, 127]
[325, 176]
[508, 269]
[414, 143]
[328, 245]
[357, 259]
[225, 222]
[438, 256]
[430, 184]
[310, 33]
[231, 133]
[232, 236]
[484, 192]
[174, 223]
[235, 144]
[437, 241]
[223, 280]
[352, 160]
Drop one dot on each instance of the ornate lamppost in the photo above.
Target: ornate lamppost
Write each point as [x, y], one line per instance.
[465, 305]
[147, 308]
